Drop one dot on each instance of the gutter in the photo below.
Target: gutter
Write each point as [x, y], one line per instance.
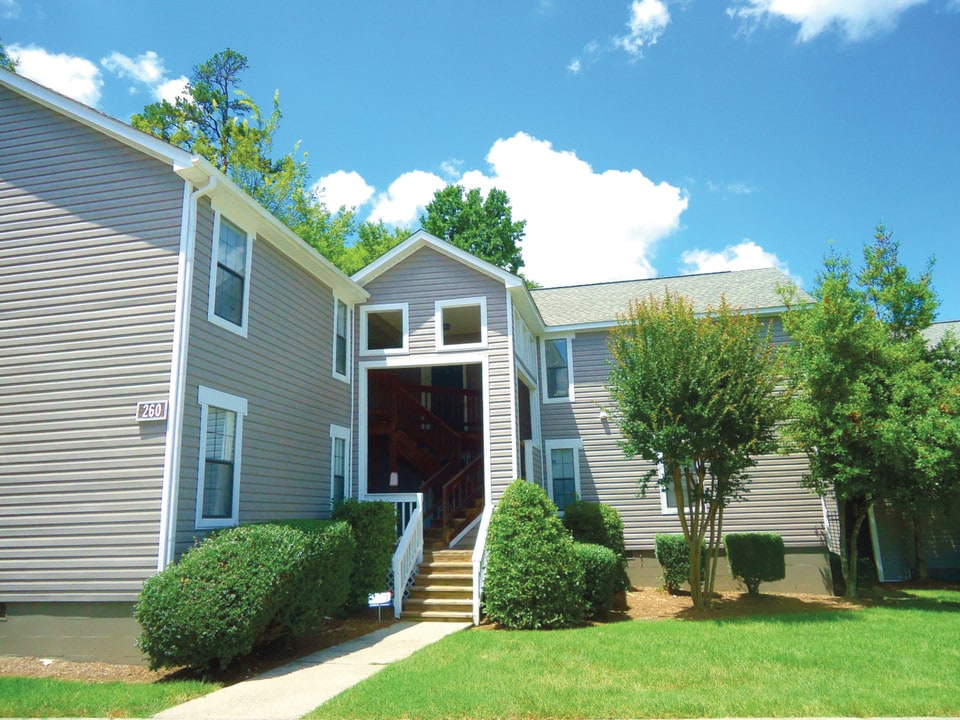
[178, 372]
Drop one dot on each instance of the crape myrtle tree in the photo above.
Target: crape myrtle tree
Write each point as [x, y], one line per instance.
[698, 395]
[873, 407]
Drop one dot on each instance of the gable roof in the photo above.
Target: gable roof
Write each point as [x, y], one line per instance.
[199, 172]
[599, 304]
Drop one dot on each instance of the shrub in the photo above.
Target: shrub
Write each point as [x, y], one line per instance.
[375, 532]
[601, 525]
[600, 573]
[673, 554]
[334, 567]
[534, 578]
[239, 589]
[755, 558]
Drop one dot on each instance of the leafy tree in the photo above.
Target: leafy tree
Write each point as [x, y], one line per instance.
[875, 409]
[696, 394]
[6, 62]
[483, 227]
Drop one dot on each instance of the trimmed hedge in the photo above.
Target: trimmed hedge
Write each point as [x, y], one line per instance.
[673, 554]
[242, 588]
[534, 578]
[755, 558]
[600, 569]
[600, 525]
[375, 532]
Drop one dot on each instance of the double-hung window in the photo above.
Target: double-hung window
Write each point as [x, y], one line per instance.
[557, 359]
[563, 471]
[668, 492]
[229, 276]
[341, 340]
[221, 439]
[339, 464]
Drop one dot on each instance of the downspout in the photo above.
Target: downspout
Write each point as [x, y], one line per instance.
[178, 373]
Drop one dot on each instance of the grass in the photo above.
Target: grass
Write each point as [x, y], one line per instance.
[896, 659]
[44, 697]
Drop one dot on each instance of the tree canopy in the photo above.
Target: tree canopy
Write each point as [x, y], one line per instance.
[874, 408]
[481, 226]
[6, 62]
[696, 395]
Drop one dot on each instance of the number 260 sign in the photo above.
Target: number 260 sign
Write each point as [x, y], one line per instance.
[148, 411]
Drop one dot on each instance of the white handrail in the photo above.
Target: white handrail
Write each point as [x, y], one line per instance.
[409, 553]
[479, 559]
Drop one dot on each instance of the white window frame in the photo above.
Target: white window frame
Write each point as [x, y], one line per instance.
[441, 305]
[574, 444]
[368, 310]
[212, 316]
[208, 397]
[338, 432]
[571, 396]
[348, 360]
[665, 508]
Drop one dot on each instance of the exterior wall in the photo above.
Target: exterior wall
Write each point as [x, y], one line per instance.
[775, 502]
[893, 536]
[283, 368]
[421, 280]
[89, 242]
[82, 632]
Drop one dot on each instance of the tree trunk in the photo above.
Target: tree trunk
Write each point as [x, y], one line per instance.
[919, 546]
[852, 552]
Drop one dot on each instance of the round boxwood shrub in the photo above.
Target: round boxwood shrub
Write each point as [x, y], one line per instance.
[374, 527]
[755, 558]
[534, 578]
[600, 573]
[601, 525]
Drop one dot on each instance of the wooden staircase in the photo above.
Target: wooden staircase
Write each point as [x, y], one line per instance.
[443, 587]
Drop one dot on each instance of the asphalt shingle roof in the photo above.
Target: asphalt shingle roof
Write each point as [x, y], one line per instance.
[600, 303]
[934, 334]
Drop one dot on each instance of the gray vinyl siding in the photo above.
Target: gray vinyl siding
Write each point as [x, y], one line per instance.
[428, 276]
[775, 502]
[89, 242]
[283, 368]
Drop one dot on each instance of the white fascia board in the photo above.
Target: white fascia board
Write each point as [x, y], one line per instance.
[610, 324]
[420, 239]
[523, 302]
[242, 209]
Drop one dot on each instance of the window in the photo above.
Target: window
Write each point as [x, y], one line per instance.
[668, 496]
[558, 369]
[563, 471]
[339, 465]
[221, 433]
[341, 340]
[461, 323]
[384, 329]
[229, 272]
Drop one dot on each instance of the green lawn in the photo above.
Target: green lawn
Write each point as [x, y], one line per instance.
[43, 697]
[900, 659]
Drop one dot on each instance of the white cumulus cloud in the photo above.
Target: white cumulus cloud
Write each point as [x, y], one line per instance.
[73, 76]
[582, 225]
[648, 20]
[855, 19]
[343, 189]
[146, 69]
[746, 255]
[401, 203]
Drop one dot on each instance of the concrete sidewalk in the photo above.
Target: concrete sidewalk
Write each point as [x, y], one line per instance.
[288, 692]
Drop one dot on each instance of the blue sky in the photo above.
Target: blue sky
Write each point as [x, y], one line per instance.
[655, 137]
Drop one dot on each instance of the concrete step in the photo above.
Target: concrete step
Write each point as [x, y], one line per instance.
[438, 615]
[441, 589]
